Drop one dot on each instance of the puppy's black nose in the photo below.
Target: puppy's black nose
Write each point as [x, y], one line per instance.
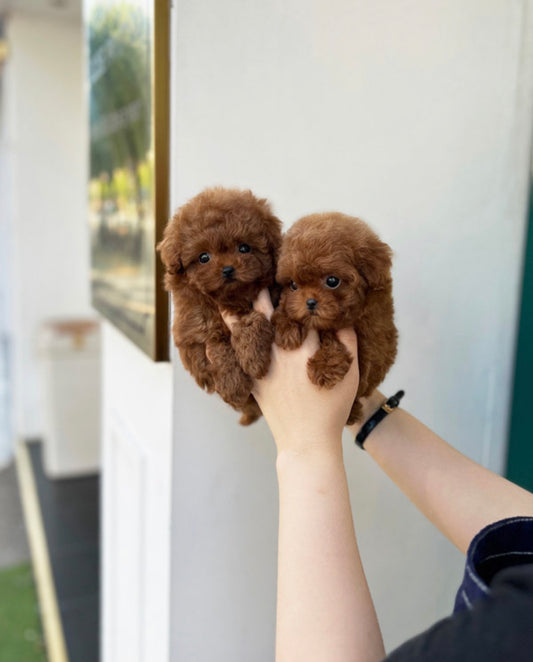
[312, 304]
[228, 271]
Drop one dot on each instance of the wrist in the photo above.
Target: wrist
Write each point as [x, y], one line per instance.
[306, 436]
[326, 453]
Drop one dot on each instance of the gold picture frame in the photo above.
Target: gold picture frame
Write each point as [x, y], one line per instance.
[128, 45]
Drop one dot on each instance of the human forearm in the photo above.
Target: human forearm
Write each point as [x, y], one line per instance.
[459, 496]
[325, 612]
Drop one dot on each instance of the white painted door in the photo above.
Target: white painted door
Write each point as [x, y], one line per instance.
[136, 468]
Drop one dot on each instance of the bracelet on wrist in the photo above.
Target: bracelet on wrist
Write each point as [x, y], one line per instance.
[386, 408]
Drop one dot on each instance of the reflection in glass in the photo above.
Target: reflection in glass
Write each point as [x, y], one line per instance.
[121, 187]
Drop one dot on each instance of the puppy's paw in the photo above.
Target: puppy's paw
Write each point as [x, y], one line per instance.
[234, 387]
[251, 338]
[195, 360]
[287, 333]
[206, 381]
[327, 368]
[322, 376]
[230, 381]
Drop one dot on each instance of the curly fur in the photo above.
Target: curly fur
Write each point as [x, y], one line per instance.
[223, 224]
[316, 248]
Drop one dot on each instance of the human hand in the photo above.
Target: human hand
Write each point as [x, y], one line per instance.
[303, 417]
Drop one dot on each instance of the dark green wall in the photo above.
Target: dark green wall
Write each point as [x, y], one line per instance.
[520, 458]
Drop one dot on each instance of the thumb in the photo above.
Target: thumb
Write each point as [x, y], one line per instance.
[263, 303]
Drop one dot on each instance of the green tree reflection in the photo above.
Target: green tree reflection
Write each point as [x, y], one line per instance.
[120, 119]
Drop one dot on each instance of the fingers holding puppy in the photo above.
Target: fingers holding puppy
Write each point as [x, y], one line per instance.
[294, 407]
[252, 339]
[262, 304]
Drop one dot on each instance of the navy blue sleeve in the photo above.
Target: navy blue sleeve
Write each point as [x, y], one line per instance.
[493, 617]
[497, 629]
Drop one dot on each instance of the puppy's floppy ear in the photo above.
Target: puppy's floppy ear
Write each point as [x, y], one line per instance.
[271, 228]
[170, 248]
[284, 259]
[170, 257]
[374, 262]
[274, 232]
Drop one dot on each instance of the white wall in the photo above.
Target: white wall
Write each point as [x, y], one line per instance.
[6, 232]
[47, 136]
[416, 117]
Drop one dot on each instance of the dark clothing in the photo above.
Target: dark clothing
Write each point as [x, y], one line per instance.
[504, 544]
[493, 616]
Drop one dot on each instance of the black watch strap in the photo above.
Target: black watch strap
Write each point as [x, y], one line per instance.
[385, 409]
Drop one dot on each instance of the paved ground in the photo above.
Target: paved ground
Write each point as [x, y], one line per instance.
[70, 512]
[13, 542]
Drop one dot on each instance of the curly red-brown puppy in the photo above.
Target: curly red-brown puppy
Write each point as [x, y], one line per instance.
[336, 273]
[220, 249]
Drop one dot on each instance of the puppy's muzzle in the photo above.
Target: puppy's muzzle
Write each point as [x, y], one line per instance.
[312, 304]
[228, 272]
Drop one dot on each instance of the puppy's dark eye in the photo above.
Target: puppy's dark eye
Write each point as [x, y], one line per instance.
[333, 282]
[244, 248]
[204, 257]
[293, 285]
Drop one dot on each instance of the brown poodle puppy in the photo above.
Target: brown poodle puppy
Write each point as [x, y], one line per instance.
[336, 273]
[220, 249]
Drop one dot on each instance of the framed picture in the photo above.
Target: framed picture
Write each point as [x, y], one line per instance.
[128, 85]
